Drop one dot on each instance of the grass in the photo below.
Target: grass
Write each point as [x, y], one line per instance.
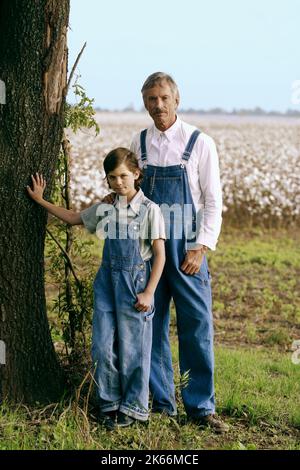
[256, 286]
[257, 394]
[256, 289]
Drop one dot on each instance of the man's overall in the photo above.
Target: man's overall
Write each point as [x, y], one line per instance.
[192, 298]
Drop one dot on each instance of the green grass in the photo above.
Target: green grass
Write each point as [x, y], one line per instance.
[256, 287]
[257, 394]
[259, 386]
[256, 292]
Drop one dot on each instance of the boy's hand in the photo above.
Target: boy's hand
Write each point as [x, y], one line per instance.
[109, 198]
[144, 302]
[39, 184]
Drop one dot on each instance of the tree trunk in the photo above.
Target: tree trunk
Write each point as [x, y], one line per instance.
[33, 66]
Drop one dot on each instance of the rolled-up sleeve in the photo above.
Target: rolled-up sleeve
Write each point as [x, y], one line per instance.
[89, 217]
[157, 223]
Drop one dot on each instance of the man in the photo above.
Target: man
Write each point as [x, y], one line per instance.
[181, 170]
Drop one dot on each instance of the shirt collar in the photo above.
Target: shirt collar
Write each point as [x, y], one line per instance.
[169, 133]
[135, 202]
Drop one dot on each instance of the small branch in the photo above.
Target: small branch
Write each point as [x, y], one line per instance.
[66, 149]
[74, 67]
[65, 255]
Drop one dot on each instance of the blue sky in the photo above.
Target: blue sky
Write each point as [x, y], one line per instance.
[230, 54]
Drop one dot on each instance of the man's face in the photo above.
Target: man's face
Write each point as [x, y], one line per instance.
[161, 104]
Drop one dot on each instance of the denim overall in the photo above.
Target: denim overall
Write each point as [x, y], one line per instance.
[122, 336]
[192, 298]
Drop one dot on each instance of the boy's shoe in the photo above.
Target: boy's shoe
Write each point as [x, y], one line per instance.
[124, 420]
[213, 421]
[108, 419]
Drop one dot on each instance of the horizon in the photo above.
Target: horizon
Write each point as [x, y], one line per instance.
[257, 111]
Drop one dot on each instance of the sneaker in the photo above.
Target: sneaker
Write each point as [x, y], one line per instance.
[108, 419]
[124, 420]
[212, 421]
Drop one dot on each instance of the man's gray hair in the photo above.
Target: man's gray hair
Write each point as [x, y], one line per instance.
[158, 77]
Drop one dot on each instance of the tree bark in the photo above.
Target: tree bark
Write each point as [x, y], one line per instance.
[33, 66]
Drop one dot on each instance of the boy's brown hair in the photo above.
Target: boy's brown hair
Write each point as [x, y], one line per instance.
[119, 156]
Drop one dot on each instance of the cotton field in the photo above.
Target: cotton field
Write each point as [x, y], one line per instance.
[259, 161]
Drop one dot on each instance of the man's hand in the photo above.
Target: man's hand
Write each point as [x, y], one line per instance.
[193, 260]
[109, 198]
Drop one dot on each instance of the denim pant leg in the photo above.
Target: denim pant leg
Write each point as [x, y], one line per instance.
[192, 297]
[104, 343]
[162, 376]
[135, 339]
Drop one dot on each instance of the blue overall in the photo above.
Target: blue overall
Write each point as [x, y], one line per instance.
[192, 298]
[122, 336]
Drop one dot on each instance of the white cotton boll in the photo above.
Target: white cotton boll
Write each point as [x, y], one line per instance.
[259, 157]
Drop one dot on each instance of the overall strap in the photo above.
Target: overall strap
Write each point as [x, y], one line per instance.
[190, 145]
[143, 146]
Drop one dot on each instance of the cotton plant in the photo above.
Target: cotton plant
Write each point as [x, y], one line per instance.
[259, 161]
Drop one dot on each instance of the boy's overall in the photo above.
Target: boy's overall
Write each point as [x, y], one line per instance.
[122, 336]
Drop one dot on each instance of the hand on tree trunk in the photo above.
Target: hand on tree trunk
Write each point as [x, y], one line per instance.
[39, 185]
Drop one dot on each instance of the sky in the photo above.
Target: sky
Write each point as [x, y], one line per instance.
[229, 54]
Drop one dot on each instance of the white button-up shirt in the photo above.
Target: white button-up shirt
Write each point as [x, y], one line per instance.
[166, 149]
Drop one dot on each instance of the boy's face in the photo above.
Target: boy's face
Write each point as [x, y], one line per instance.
[161, 104]
[121, 180]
